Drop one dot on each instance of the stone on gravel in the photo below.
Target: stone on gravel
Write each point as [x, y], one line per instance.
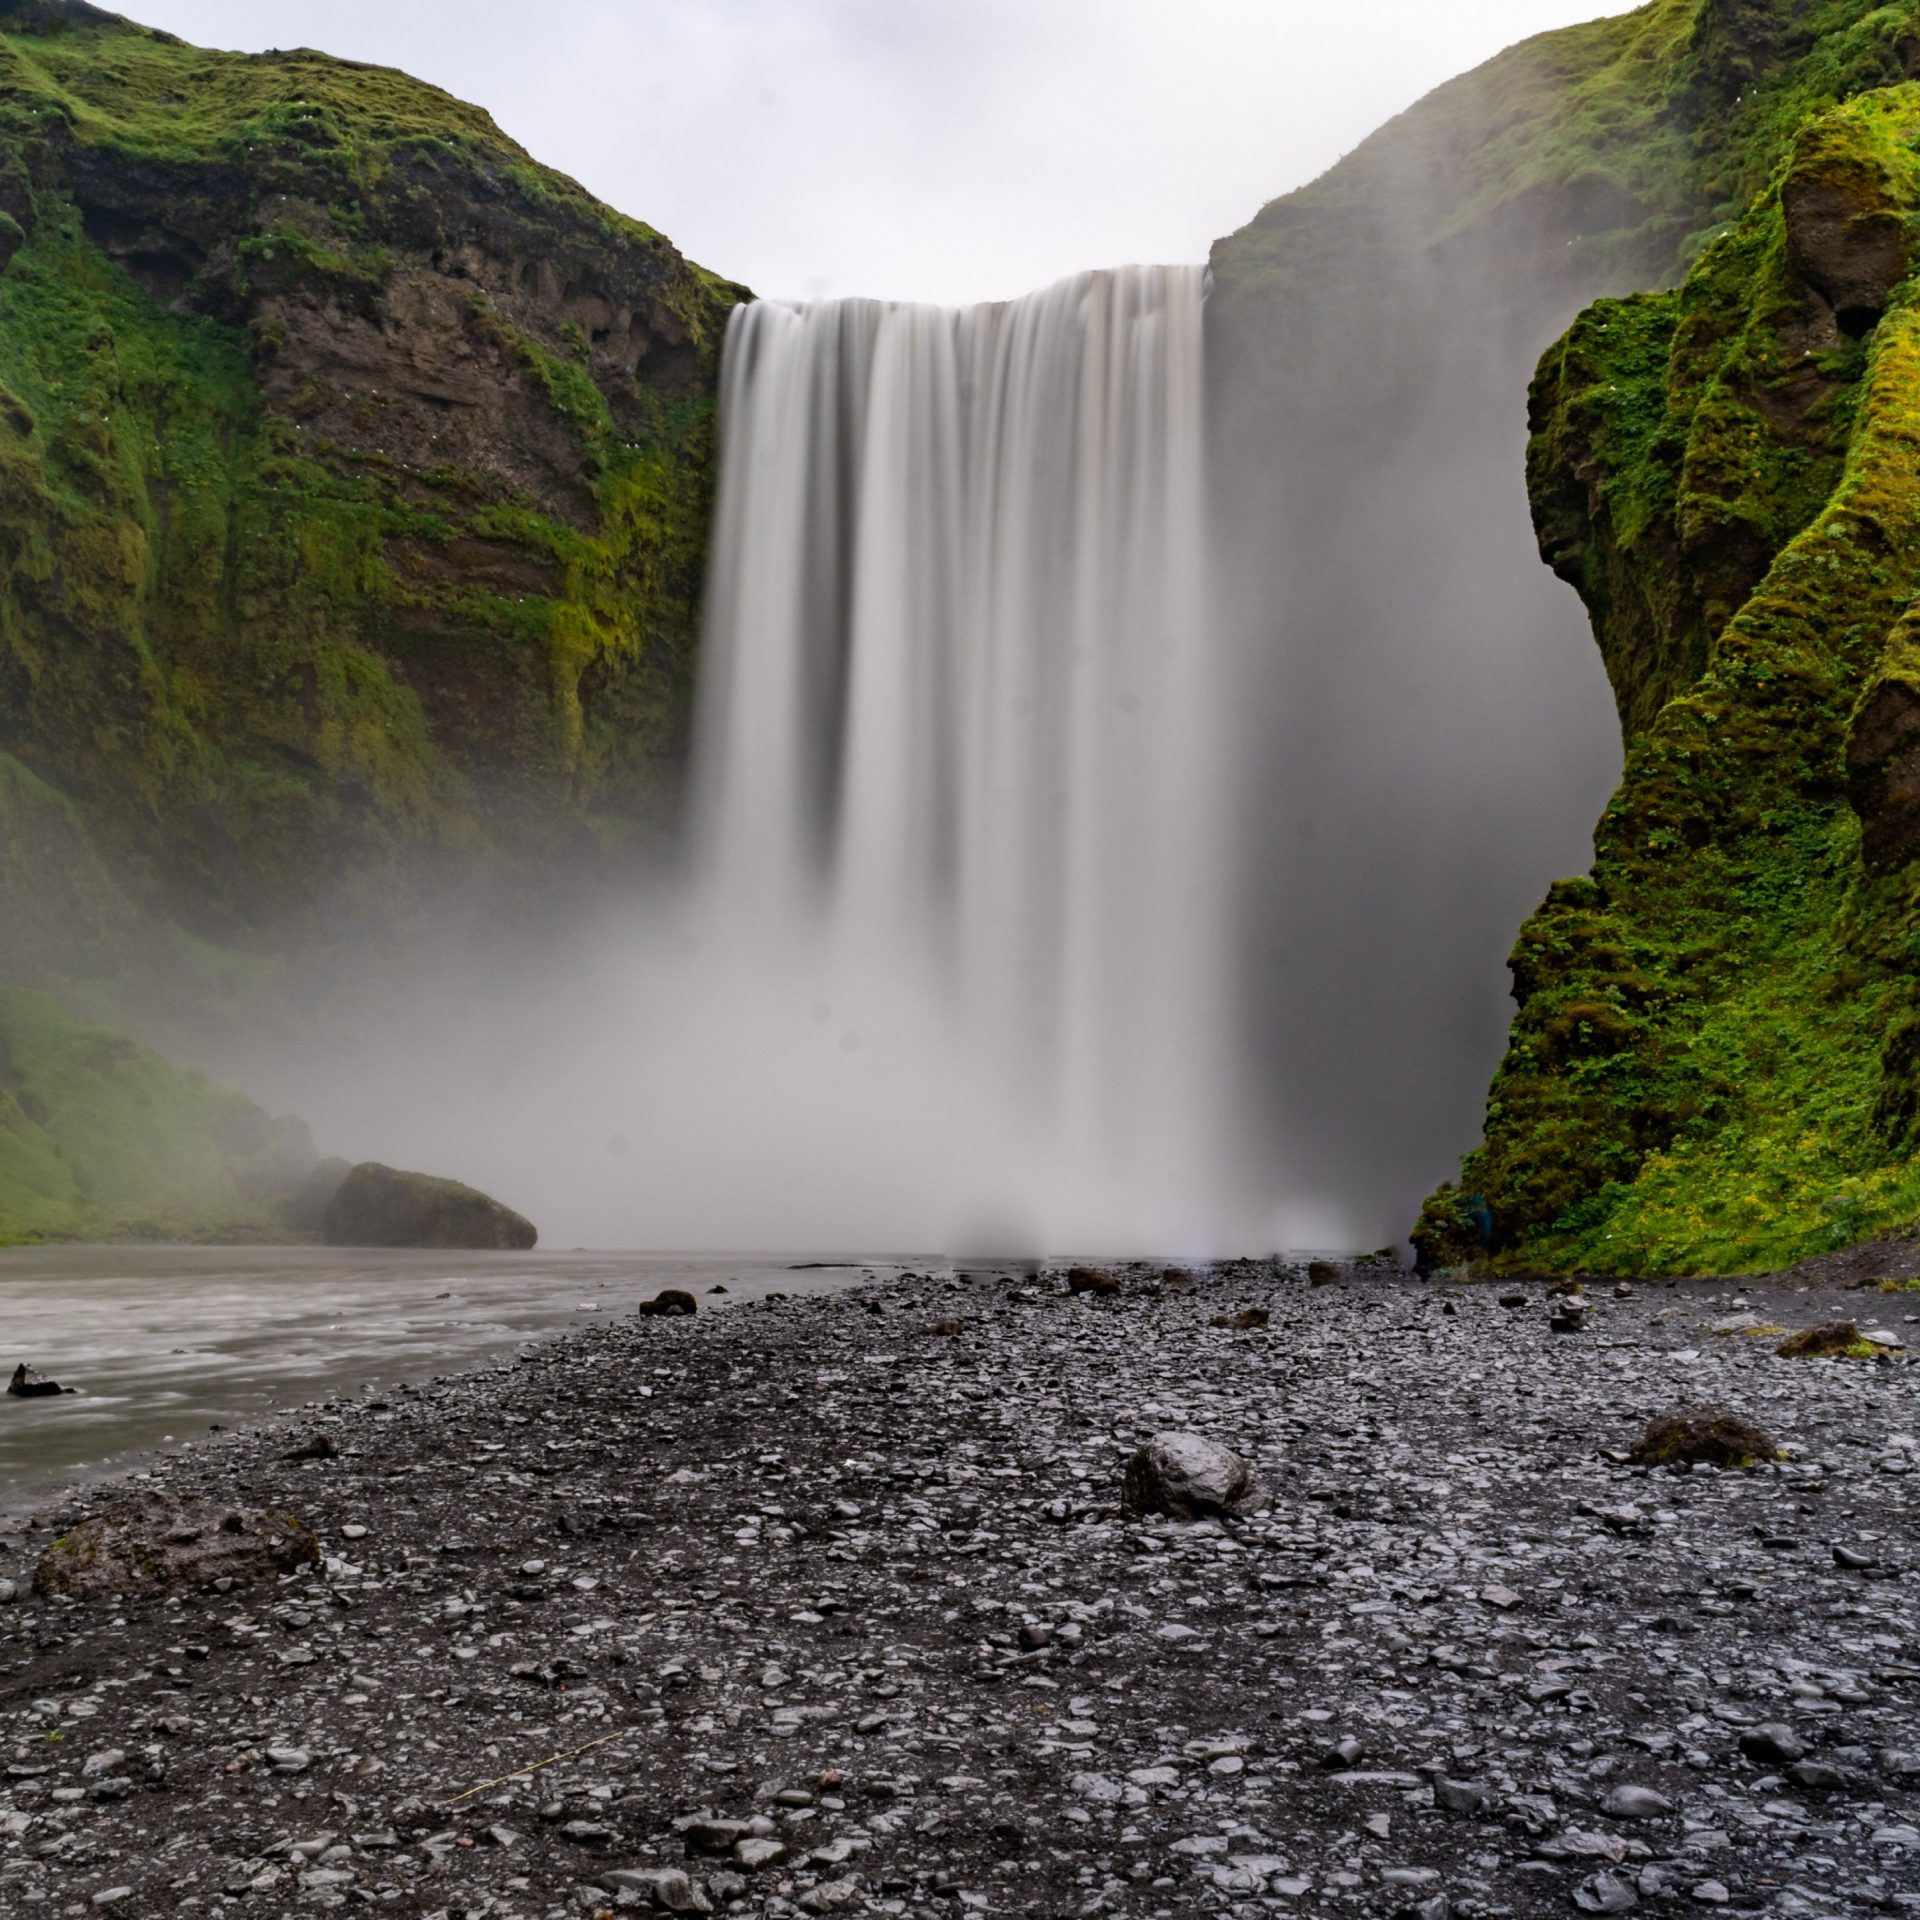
[1702, 1436]
[1187, 1477]
[162, 1544]
[379, 1206]
[1772, 1742]
[1816, 1343]
[1636, 1803]
[669, 1300]
[1094, 1280]
[671, 1890]
[1604, 1893]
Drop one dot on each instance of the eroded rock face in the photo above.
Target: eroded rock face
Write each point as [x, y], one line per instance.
[1189, 1477]
[157, 1545]
[1846, 236]
[378, 1206]
[1883, 772]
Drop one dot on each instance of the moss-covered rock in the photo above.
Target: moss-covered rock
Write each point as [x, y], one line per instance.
[1702, 1436]
[1713, 1066]
[376, 1206]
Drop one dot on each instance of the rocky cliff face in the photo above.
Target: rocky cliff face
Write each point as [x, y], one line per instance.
[1436, 733]
[1715, 1062]
[354, 476]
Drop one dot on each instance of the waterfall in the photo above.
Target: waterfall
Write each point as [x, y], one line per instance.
[956, 741]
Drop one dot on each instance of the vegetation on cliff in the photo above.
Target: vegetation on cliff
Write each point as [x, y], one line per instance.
[354, 476]
[103, 1139]
[1716, 1060]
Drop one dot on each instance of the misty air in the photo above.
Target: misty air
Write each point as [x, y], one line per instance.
[959, 959]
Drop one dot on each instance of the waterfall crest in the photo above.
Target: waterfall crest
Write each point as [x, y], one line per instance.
[957, 734]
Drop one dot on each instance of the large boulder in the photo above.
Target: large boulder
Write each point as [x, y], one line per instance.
[1188, 1477]
[163, 1544]
[376, 1206]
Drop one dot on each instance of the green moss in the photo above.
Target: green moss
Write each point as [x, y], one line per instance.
[102, 1139]
[1694, 1079]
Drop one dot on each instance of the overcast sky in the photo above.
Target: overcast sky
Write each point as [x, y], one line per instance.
[929, 149]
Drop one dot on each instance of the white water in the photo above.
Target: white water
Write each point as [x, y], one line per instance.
[956, 764]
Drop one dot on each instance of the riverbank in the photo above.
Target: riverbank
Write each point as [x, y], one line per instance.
[843, 1583]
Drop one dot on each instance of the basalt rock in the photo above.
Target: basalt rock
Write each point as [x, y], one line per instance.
[669, 1300]
[29, 1383]
[1189, 1477]
[378, 1206]
[163, 1545]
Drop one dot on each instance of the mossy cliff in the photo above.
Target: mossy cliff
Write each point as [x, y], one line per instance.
[1716, 1059]
[1437, 735]
[354, 482]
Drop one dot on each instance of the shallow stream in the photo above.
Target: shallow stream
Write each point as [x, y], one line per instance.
[163, 1343]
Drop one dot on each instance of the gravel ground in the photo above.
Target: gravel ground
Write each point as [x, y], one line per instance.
[829, 1607]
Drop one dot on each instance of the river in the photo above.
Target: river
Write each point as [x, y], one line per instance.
[163, 1343]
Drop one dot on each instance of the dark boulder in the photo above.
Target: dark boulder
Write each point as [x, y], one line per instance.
[161, 1545]
[1094, 1280]
[29, 1383]
[1702, 1436]
[1187, 1476]
[376, 1206]
[669, 1300]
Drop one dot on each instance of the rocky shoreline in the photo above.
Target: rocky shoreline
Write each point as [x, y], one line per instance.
[830, 1605]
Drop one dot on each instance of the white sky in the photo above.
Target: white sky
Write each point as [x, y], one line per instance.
[942, 150]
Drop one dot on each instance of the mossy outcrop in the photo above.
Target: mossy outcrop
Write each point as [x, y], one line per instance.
[1716, 1060]
[101, 1139]
[376, 1206]
[354, 481]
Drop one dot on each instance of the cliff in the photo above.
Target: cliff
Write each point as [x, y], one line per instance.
[354, 480]
[1713, 1063]
[1437, 733]
[355, 473]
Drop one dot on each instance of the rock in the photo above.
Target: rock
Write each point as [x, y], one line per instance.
[165, 1544]
[755, 1852]
[307, 1209]
[1322, 1273]
[1569, 1317]
[1848, 237]
[29, 1383]
[1186, 1476]
[1636, 1803]
[1815, 1343]
[1604, 1893]
[1816, 1776]
[1514, 1297]
[669, 1300]
[705, 1834]
[1773, 1742]
[1459, 1796]
[376, 1206]
[670, 1889]
[1094, 1280]
[1702, 1436]
[1245, 1321]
